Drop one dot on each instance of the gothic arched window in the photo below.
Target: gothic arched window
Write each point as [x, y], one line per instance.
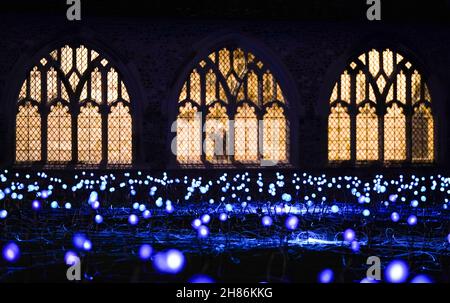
[380, 110]
[74, 108]
[231, 110]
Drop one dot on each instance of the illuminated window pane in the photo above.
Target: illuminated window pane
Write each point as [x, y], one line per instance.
[422, 132]
[59, 134]
[394, 134]
[195, 87]
[367, 134]
[216, 134]
[81, 59]
[124, 92]
[35, 84]
[66, 59]
[113, 83]
[89, 135]
[360, 87]
[415, 87]
[334, 94]
[374, 62]
[189, 134]
[119, 135]
[239, 62]
[388, 62]
[401, 87]
[210, 87]
[267, 87]
[23, 91]
[28, 134]
[224, 61]
[52, 88]
[345, 87]
[275, 133]
[246, 135]
[339, 134]
[96, 86]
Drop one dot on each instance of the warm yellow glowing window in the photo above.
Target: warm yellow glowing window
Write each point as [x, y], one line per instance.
[380, 79]
[232, 83]
[70, 84]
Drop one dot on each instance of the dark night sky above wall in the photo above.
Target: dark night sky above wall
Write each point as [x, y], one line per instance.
[398, 10]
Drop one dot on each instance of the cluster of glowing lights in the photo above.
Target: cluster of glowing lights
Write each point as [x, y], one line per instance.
[279, 203]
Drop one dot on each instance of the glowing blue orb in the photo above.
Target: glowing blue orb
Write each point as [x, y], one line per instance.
[395, 217]
[203, 231]
[366, 213]
[11, 252]
[334, 209]
[229, 207]
[397, 271]
[95, 205]
[145, 252]
[98, 219]
[71, 258]
[3, 214]
[133, 219]
[146, 214]
[286, 197]
[196, 223]
[291, 222]
[170, 262]
[169, 208]
[78, 240]
[68, 205]
[54, 205]
[201, 279]
[412, 220]
[44, 194]
[266, 221]
[206, 218]
[93, 197]
[393, 197]
[87, 245]
[414, 203]
[349, 235]
[36, 205]
[326, 276]
[223, 217]
[423, 279]
[355, 246]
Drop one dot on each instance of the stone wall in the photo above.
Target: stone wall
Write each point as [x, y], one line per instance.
[156, 51]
